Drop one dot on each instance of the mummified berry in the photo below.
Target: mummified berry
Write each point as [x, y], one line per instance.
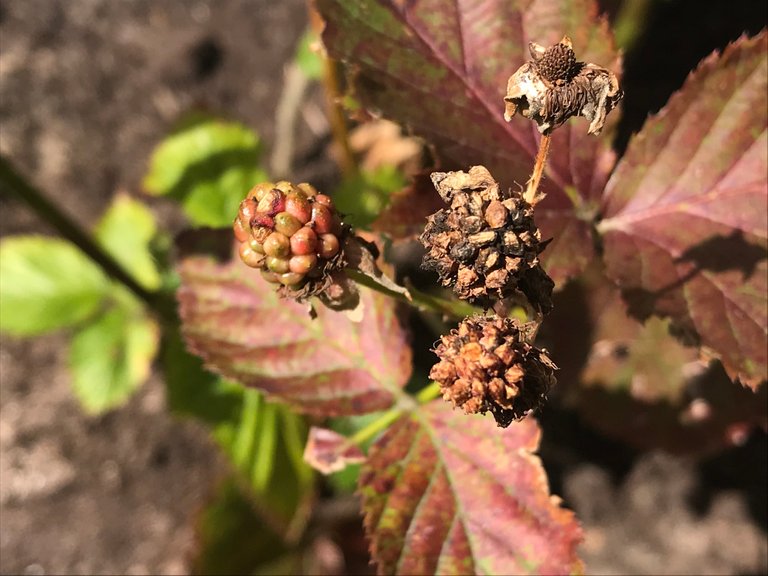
[485, 244]
[487, 365]
[293, 234]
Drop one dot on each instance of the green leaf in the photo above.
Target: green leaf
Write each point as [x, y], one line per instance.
[308, 59]
[209, 165]
[264, 441]
[126, 231]
[111, 357]
[448, 493]
[364, 196]
[46, 284]
[233, 538]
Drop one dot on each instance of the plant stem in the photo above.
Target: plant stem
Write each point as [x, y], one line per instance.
[381, 423]
[333, 98]
[13, 183]
[419, 299]
[428, 393]
[531, 194]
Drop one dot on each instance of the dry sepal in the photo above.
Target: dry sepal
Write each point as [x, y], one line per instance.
[554, 86]
[485, 244]
[488, 365]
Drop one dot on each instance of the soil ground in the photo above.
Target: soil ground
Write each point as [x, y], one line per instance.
[87, 88]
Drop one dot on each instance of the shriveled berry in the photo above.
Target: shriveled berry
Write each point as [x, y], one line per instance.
[248, 209]
[302, 264]
[308, 189]
[270, 276]
[324, 200]
[277, 245]
[277, 265]
[260, 233]
[272, 202]
[290, 278]
[304, 241]
[256, 246]
[259, 190]
[328, 246]
[240, 232]
[322, 218]
[250, 257]
[299, 206]
[264, 220]
[287, 224]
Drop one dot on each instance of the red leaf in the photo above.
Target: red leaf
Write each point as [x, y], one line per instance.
[687, 214]
[329, 366]
[447, 493]
[637, 383]
[328, 451]
[441, 68]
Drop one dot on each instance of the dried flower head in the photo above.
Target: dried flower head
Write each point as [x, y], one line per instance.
[487, 365]
[554, 86]
[485, 244]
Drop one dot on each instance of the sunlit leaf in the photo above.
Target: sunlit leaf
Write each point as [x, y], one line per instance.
[209, 165]
[686, 228]
[447, 493]
[126, 231]
[440, 67]
[111, 357]
[46, 284]
[331, 365]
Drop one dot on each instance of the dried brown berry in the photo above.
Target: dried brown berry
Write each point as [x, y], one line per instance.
[293, 235]
[487, 365]
[557, 64]
[485, 244]
[554, 86]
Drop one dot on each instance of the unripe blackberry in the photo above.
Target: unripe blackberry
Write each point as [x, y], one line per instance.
[293, 235]
[485, 244]
[487, 365]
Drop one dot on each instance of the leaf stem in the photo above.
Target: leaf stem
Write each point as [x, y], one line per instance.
[419, 299]
[381, 423]
[531, 194]
[13, 183]
[428, 393]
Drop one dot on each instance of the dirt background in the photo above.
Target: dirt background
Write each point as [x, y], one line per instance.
[87, 88]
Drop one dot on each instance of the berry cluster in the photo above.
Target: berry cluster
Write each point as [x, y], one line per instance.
[487, 364]
[485, 244]
[291, 233]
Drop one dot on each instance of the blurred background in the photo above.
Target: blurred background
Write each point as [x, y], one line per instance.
[87, 90]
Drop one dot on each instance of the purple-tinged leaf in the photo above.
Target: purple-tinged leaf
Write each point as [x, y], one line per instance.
[329, 366]
[328, 451]
[686, 228]
[447, 493]
[440, 67]
[637, 383]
